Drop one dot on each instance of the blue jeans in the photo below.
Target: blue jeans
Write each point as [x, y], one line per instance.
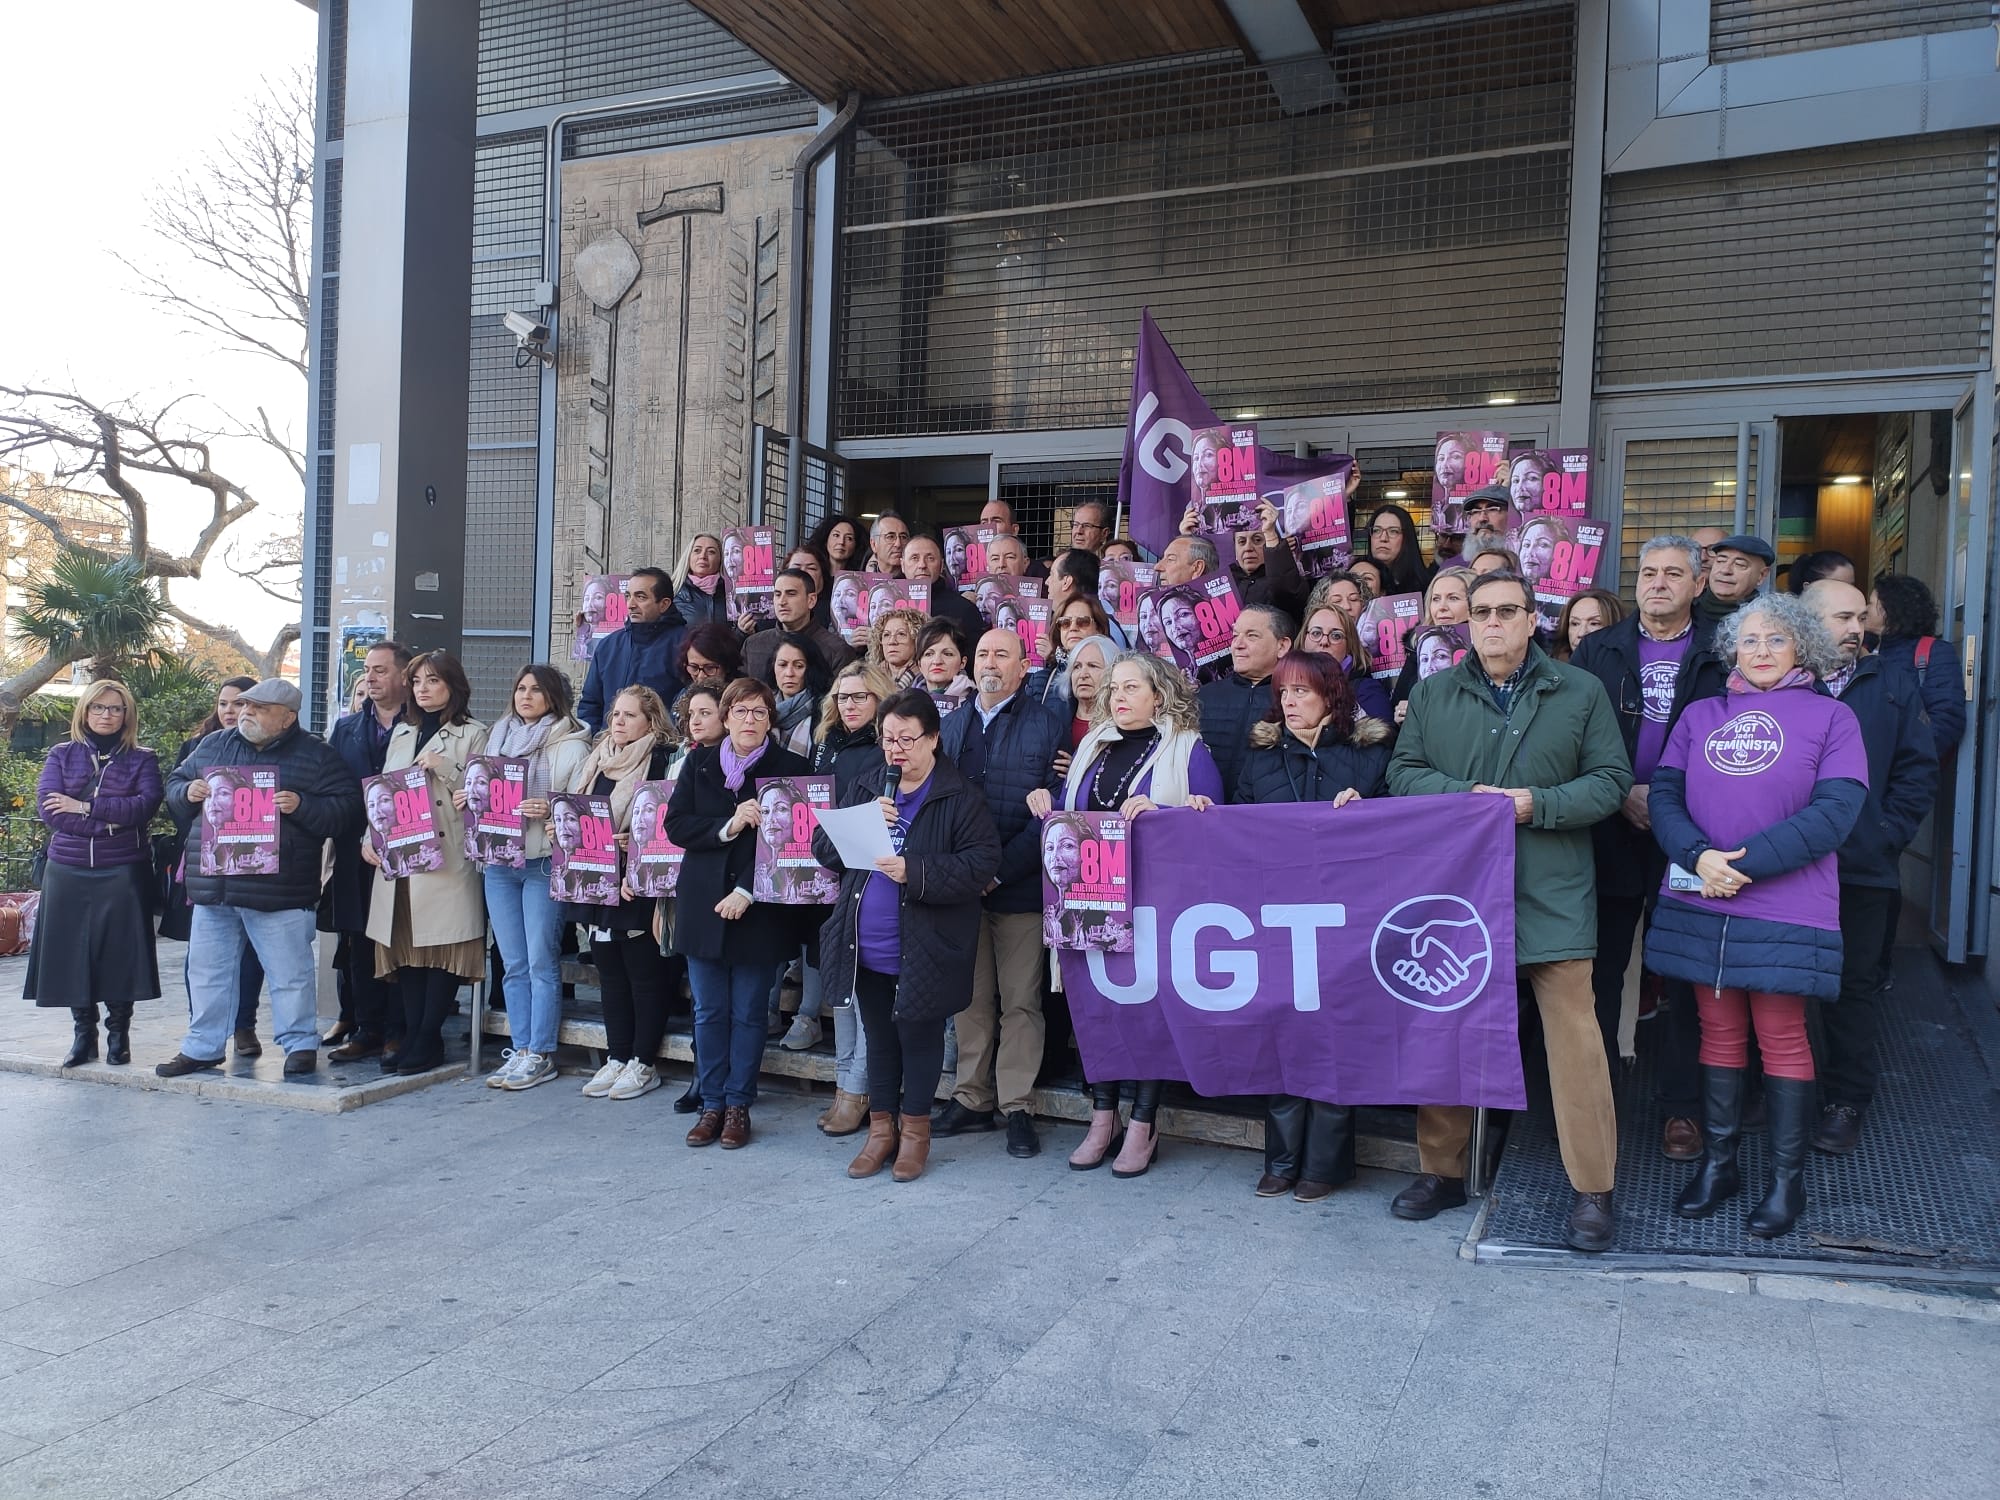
[283, 943]
[249, 988]
[729, 1029]
[850, 1050]
[527, 924]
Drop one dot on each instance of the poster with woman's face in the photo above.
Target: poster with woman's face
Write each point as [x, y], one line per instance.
[494, 788]
[1439, 648]
[1461, 463]
[1086, 890]
[600, 611]
[750, 564]
[1561, 558]
[583, 850]
[785, 870]
[655, 863]
[402, 827]
[239, 821]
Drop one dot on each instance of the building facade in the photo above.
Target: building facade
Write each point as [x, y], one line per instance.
[1742, 251]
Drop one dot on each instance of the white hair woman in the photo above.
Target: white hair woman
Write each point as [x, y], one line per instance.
[1752, 799]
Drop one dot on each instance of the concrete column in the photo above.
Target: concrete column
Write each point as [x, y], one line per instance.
[405, 307]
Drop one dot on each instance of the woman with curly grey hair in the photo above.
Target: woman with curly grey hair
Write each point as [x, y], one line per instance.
[1753, 797]
[1143, 751]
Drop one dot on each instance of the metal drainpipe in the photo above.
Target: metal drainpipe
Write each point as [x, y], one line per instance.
[795, 313]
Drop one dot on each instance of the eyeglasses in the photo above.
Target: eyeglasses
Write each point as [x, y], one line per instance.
[750, 713]
[1385, 531]
[853, 698]
[901, 741]
[1764, 642]
[1319, 635]
[1503, 612]
[1089, 526]
[107, 708]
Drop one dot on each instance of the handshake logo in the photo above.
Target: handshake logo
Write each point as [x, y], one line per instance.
[1433, 952]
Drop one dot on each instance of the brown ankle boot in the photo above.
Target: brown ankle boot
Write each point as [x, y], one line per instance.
[915, 1150]
[878, 1148]
[847, 1114]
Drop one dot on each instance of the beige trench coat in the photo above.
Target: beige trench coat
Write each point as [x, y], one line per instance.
[448, 905]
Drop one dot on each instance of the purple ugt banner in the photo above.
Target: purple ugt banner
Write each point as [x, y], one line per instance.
[1337, 974]
[1166, 412]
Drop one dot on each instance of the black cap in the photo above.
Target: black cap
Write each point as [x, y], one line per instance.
[1749, 546]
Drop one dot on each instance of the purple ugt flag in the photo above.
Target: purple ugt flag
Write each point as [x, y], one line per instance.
[1166, 411]
[1342, 972]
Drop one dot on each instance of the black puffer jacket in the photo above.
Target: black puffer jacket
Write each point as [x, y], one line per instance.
[1012, 758]
[950, 854]
[1231, 707]
[1279, 767]
[329, 808]
[847, 755]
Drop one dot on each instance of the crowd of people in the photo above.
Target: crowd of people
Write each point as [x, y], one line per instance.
[1730, 770]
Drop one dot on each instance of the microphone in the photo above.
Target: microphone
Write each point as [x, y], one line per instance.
[892, 781]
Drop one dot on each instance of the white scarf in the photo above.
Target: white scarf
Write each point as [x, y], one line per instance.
[1167, 761]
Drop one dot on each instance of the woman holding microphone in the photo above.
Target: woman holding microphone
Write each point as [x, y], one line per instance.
[902, 936]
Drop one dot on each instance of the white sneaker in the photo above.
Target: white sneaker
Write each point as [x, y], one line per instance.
[601, 1081]
[638, 1078]
[532, 1069]
[510, 1064]
[805, 1033]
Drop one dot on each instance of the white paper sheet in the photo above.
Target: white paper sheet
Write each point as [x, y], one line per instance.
[858, 833]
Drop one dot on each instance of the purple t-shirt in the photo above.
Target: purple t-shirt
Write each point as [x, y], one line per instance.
[881, 924]
[1752, 760]
[1659, 669]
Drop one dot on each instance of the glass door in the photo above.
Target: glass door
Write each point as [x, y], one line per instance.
[1661, 479]
[1962, 854]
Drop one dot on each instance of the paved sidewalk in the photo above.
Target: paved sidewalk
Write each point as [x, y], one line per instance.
[462, 1293]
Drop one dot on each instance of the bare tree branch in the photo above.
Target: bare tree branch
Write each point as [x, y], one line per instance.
[267, 662]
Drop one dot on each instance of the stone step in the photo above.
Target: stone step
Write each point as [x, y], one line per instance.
[1385, 1139]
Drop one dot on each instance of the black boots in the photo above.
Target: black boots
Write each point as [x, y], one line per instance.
[118, 1035]
[84, 1048]
[1789, 1110]
[1716, 1180]
[1308, 1144]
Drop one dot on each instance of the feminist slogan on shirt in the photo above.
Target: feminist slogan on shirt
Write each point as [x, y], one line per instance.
[239, 821]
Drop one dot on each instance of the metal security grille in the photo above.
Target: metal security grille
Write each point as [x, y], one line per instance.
[773, 110]
[823, 494]
[1399, 475]
[505, 416]
[537, 52]
[1870, 257]
[1759, 28]
[1676, 485]
[327, 204]
[1402, 247]
[336, 69]
[1045, 496]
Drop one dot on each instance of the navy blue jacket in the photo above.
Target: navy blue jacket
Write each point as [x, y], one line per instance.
[638, 654]
[1702, 946]
[1629, 862]
[1942, 683]
[1279, 768]
[344, 904]
[329, 808]
[1902, 772]
[1231, 707]
[849, 756]
[1004, 763]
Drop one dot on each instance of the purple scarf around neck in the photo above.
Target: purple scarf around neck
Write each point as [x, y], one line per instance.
[1797, 677]
[734, 766]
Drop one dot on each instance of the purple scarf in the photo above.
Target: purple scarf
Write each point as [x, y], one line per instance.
[1797, 677]
[734, 766]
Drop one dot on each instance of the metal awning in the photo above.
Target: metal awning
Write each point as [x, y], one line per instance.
[889, 48]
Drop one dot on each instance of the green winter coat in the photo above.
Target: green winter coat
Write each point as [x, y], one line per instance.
[1563, 744]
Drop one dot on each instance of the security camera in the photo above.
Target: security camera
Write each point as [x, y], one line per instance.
[528, 330]
[531, 339]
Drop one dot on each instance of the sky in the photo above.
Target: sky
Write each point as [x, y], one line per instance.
[107, 100]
